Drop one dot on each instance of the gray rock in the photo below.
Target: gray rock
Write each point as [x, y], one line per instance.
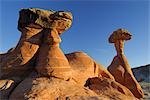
[142, 73]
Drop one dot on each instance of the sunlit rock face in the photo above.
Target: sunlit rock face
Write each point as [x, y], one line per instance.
[84, 67]
[109, 88]
[37, 68]
[120, 67]
[18, 62]
[51, 61]
[120, 34]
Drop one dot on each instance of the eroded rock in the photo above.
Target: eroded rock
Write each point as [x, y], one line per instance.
[120, 67]
[17, 64]
[109, 88]
[51, 61]
[56, 76]
[34, 88]
[34, 17]
[84, 67]
[120, 34]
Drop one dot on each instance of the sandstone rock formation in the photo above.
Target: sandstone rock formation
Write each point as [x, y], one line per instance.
[19, 58]
[18, 62]
[109, 88]
[120, 67]
[84, 67]
[52, 62]
[41, 71]
[44, 88]
[37, 18]
[39, 48]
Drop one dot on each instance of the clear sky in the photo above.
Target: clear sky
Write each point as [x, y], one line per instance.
[93, 22]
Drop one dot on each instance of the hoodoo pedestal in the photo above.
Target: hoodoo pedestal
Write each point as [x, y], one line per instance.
[51, 60]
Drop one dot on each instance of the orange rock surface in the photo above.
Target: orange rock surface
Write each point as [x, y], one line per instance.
[51, 60]
[84, 67]
[37, 68]
[34, 88]
[120, 67]
[110, 88]
[22, 53]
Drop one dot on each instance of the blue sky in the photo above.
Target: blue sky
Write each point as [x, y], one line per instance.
[93, 22]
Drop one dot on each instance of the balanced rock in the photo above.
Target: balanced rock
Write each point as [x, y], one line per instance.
[34, 17]
[120, 34]
[120, 67]
[31, 23]
[51, 61]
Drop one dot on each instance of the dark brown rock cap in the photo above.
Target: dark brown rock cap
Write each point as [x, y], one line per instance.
[119, 34]
[39, 18]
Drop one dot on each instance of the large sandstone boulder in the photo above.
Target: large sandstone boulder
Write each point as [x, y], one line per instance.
[84, 67]
[34, 88]
[120, 67]
[109, 88]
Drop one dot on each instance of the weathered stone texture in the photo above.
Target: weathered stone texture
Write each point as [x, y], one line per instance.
[120, 67]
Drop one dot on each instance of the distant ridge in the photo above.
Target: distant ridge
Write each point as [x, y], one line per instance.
[142, 73]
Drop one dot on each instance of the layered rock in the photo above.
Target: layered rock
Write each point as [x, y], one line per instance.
[120, 67]
[51, 61]
[20, 57]
[36, 25]
[32, 22]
